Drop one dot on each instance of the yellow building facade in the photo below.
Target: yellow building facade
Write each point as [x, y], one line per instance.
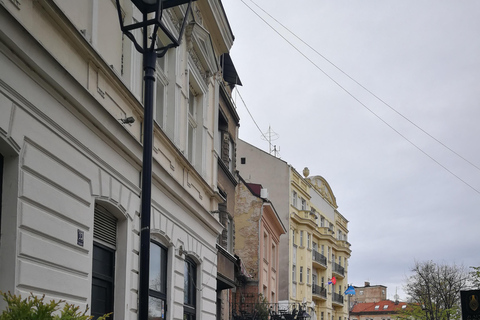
[318, 248]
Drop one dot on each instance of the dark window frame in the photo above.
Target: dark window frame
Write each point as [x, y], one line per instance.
[99, 278]
[190, 289]
[162, 293]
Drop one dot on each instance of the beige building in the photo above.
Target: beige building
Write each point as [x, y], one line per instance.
[316, 249]
[70, 167]
[369, 293]
[257, 236]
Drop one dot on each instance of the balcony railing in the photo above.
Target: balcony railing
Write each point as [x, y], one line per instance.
[319, 291]
[320, 258]
[254, 307]
[337, 297]
[338, 269]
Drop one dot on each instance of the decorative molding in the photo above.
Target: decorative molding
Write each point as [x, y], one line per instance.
[16, 3]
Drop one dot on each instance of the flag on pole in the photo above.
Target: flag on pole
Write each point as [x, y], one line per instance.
[332, 281]
[350, 290]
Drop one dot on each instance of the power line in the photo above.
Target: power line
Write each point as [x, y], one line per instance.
[356, 99]
[366, 89]
[243, 101]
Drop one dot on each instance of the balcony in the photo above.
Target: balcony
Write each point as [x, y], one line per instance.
[319, 292]
[337, 299]
[338, 270]
[251, 306]
[319, 260]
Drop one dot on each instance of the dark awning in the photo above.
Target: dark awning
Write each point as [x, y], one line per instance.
[229, 73]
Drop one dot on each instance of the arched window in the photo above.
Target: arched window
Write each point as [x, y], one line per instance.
[190, 285]
[103, 265]
[157, 293]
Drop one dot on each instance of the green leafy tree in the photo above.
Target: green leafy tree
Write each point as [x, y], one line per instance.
[262, 308]
[35, 308]
[434, 290]
[475, 277]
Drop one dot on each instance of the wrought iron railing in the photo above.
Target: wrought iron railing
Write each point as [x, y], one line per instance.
[254, 307]
[337, 297]
[319, 291]
[318, 257]
[338, 269]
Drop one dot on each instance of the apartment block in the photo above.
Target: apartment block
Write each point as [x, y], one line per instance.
[316, 250]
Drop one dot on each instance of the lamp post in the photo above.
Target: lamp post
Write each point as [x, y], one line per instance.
[152, 11]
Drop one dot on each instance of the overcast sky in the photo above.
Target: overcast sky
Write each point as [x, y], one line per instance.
[407, 197]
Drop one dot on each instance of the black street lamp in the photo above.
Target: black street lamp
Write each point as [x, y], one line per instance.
[152, 11]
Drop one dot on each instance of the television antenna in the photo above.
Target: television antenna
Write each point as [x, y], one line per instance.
[270, 136]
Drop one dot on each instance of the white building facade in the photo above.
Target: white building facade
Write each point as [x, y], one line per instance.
[70, 169]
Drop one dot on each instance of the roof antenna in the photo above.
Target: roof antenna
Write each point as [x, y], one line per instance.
[271, 136]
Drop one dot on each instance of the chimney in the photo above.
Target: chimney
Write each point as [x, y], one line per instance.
[264, 193]
[367, 284]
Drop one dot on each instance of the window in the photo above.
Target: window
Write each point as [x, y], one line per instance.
[196, 131]
[294, 273]
[304, 204]
[274, 256]
[321, 315]
[308, 276]
[323, 282]
[314, 279]
[103, 271]
[301, 238]
[377, 307]
[190, 282]
[308, 240]
[293, 236]
[265, 246]
[160, 97]
[225, 146]
[192, 126]
[243, 160]
[294, 198]
[301, 274]
[103, 261]
[157, 293]
[322, 221]
[385, 306]
[230, 154]
[161, 90]
[323, 249]
[361, 292]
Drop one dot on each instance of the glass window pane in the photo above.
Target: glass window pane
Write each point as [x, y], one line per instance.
[155, 279]
[156, 309]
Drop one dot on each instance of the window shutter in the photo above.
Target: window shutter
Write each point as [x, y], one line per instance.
[104, 226]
